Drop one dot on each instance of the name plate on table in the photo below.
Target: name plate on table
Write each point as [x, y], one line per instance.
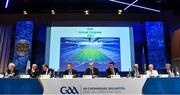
[87, 76]
[68, 76]
[24, 76]
[115, 76]
[1, 75]
[164, 75]
[45, 76]
[144, 76]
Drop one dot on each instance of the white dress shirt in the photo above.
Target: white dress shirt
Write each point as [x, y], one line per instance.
[152, 73]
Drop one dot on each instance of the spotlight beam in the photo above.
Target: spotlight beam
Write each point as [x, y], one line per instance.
[130, 5]
[7, 2]
[142, 7]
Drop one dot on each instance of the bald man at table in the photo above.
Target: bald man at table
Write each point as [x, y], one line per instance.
[70, 70]
[91, 70]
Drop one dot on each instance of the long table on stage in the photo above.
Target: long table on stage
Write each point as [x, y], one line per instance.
[97, 86]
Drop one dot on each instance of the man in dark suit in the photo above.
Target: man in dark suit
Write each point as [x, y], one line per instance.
[70, 71]
[136, 72]
[111, 70]
[47, 70]
[11, 72]
[169, 70]
[33, 72]
[91, 70]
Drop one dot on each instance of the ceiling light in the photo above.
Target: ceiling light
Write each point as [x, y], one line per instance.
[25, 12]
[53, 12]
[86, 12]
[119, 12]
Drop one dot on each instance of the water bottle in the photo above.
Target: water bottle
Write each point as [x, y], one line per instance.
[135, 75]
[172, 74]
[129, 73]
[177, 72]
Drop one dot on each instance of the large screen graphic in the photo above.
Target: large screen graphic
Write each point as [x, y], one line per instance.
[80, 50]
[81, 45]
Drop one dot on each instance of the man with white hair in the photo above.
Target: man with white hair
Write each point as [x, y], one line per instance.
[70, 70]
[47, 70]
[169, 70]
[11, 71]
[34, 72]
[151, 72]
[91, 70]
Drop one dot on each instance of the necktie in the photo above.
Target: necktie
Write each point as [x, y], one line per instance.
[46, 72]
[113, 72]
[70, 72]
[137, 72]
[91, 72]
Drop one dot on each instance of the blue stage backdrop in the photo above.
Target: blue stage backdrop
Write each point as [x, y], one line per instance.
[148, 40]
[23, 43]
[140, 46]
[156, 44]
[39, 44]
